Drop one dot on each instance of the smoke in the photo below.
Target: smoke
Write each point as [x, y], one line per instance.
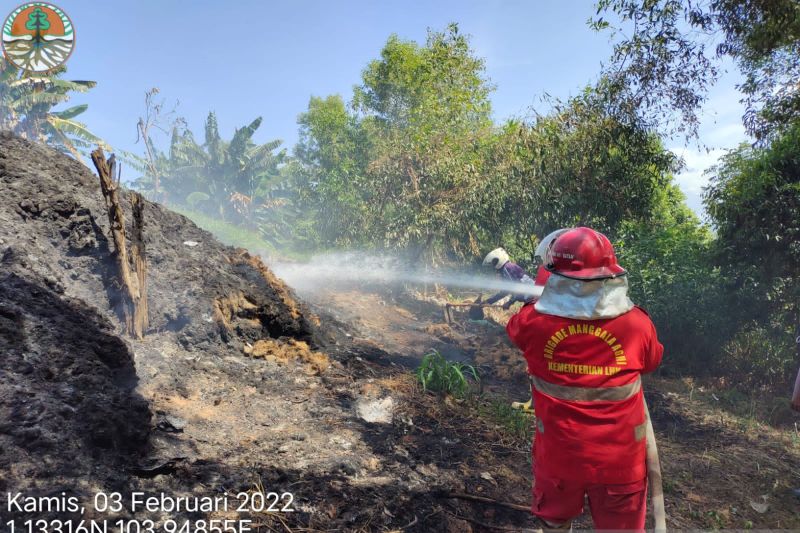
[339, 270]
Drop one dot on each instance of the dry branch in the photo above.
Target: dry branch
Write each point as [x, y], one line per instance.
[483, 499]
[134, 293]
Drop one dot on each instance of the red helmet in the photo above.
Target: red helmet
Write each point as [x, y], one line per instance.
[583, 253]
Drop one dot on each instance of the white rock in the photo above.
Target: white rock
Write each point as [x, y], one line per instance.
[376, 411]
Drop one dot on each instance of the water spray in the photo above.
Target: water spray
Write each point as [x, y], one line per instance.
[344, 268]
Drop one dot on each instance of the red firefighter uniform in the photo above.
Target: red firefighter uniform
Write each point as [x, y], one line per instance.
[586, 345]
[588, 396]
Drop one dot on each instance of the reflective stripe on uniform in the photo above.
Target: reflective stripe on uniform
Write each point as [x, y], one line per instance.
[640, 431]
[587, 394]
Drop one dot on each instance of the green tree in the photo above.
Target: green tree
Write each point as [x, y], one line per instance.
[669, 53]
[428, 110]
[333, 152]
[671, 276]
[667, 57]
[577, 165]
[27, 105]
[754, 204]
[396, 169]
[415, 162]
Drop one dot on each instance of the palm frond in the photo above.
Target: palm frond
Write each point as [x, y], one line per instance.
[26, 101]
[62, 140]
[72, 112]
[23, 82]
[81, 86]
[134, 161]
[78, 129]
[242, 137]
[261, 158]
[186, 149]
[268, 147]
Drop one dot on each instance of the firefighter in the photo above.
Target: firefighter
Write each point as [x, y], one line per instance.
[541, 258]
[501, 262]
[586, 346]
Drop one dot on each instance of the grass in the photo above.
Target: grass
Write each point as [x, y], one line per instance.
[512, 422]
[749, 407]
[250, 239]
[227, 233]
[437, 374]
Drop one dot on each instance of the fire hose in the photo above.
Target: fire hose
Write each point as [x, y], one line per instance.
[654, 474]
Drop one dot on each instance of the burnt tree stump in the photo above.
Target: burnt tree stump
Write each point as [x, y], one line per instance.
[132, 269]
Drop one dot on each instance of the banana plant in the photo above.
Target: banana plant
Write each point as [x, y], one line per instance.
[232, 177]
[26, 109]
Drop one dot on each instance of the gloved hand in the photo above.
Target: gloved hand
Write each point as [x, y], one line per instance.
[526, 407]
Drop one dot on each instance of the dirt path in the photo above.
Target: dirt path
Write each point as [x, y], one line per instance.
[407, 326]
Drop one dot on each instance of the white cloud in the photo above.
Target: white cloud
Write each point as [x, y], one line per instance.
[693, 178]
[720, 130]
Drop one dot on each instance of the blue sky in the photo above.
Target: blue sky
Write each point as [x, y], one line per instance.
[247, 58]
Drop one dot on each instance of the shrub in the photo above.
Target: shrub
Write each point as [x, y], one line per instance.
[671, 276]
[759, 355]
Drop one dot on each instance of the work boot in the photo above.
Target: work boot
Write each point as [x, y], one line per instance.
[547, 527]
[561, 528]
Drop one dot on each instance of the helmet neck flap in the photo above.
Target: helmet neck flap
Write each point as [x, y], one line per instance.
[585, 299]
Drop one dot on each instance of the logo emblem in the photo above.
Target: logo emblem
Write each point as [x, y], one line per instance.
[38, 37]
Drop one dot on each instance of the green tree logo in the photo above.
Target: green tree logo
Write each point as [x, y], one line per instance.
[37, 20]
[38, 37]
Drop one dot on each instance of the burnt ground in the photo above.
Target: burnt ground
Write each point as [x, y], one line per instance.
[239, 386]
[729, 457]
[236, 385]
